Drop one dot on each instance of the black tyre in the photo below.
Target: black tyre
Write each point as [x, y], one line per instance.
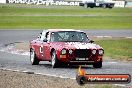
[91, 7]
[54, 60]
[97, 65]
[33, 59]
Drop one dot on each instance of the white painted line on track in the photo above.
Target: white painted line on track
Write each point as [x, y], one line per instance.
[37, 73]
[110, 37]
[121, 85]
[54, 76]
[129, 37]
[112, 62]
[24, 71]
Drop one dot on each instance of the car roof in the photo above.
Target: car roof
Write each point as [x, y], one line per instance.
[56, 30]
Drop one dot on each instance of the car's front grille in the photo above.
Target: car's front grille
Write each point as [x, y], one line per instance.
[83, 53]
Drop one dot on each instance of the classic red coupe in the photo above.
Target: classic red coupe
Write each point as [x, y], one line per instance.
[65, 46]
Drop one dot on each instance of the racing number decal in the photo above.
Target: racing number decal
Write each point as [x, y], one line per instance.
[41, 49]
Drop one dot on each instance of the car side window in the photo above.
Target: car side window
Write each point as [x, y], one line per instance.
[47, 36]
[43, 36]
[39, 36]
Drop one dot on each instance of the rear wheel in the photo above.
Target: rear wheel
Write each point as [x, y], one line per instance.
[54, 60]
[91, 7]
[85, 6]
[33, 59]
[97, 65]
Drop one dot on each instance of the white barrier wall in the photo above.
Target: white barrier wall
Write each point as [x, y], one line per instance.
[2, 1]
[45, 2]
[56, 2]
[119, 3]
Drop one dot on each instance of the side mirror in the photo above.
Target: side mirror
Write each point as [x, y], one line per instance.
[91, 41]
[45, 40]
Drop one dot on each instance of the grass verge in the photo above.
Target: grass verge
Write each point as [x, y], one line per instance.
[41, 22]
[119, 49]
[15, 16]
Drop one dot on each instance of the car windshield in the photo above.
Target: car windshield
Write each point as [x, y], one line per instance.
[68, 36]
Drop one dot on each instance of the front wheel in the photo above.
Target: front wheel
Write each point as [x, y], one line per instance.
[111, 6]
[33, 59]
[54, 60]
[91, 7]
[85, 6]
[97, 65]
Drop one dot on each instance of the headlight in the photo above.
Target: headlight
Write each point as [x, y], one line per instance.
[94, 52]
[63, 51]
[101, 52]
[70, 51]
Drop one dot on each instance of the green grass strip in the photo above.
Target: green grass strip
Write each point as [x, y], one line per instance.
[16, 9]
[79, 22]
[117, 48]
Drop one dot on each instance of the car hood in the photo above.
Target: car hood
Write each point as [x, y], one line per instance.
[77, 45]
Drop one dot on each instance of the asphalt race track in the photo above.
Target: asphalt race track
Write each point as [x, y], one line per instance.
[9, 36]
[21, 63]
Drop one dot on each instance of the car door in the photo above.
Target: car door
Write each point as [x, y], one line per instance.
[44, 47]
[46, 51]
[35, 45]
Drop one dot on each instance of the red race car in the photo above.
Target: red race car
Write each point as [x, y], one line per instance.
[69, 47]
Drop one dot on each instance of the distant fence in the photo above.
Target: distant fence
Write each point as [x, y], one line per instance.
[60, 2]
